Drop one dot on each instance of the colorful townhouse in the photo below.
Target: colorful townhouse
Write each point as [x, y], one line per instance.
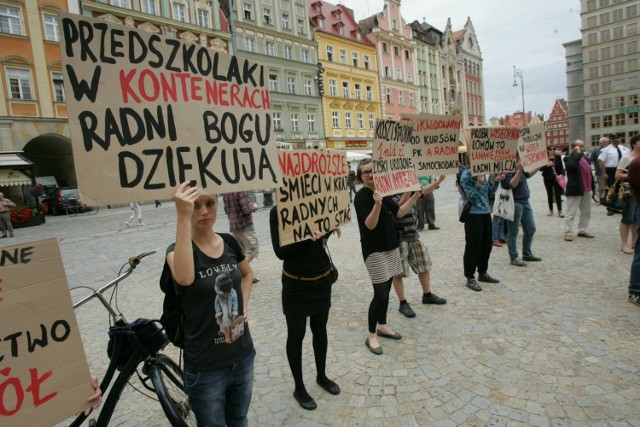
[557, 125]
[428, 66]
[348, 74]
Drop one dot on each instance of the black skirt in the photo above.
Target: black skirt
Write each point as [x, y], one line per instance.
[304, 298]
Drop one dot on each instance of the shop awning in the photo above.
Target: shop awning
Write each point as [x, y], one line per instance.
[9, 159]
[9, 177]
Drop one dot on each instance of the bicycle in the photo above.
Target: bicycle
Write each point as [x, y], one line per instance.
[134, 345]
[80, 207]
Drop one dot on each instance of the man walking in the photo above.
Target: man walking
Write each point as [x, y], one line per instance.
[5, 215]
[578, 191]
[239, 210]
[594, 159]
[608, 161]
[523, 214]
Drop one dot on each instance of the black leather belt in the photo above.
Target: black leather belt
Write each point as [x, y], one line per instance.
[306, 279]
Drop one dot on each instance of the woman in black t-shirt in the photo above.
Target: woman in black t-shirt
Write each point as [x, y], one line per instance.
[379, 243]
[215, 281]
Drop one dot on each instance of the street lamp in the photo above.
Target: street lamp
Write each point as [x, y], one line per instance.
[518, 73]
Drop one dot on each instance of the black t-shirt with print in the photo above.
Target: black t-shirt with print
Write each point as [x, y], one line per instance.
[215, 335]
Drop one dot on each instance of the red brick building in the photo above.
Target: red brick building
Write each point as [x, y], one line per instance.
[516, 119]
[557, 126]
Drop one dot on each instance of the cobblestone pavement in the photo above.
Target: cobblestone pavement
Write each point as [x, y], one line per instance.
[554, 344]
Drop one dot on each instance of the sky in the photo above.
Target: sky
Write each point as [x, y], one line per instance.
[526, 33]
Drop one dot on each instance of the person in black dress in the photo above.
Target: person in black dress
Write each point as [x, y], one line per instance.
[549, 174]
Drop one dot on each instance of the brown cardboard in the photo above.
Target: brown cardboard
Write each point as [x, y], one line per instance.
[314, 195]
[192, 113]
[532, 147]
[393, 169]
[492, 149]
[434, 144]
[34, 294]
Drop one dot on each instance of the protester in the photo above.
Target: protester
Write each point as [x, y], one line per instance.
[5, 215]
[218, 373]
[414, 255]
[579, 187]
[306, 292]
[550, 173]
[600, 182]
[239, 210]
[477, 228]
[608, 161]
[633, 177]
[627, 223]
[136, 212]
[426, 206]
[379, 243]
[522, 216]
[158, 203]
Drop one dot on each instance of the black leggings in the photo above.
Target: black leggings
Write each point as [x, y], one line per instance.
[379, 305]
[552, 187]
[296, 328]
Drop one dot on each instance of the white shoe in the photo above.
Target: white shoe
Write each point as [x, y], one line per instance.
[550, 213]
[142, 224]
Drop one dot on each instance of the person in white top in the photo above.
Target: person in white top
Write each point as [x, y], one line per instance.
[608, 162]
[136, 212]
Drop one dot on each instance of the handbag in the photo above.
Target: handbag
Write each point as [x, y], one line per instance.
[613, 197]
[560, 179]
[504, 205]
[334, 270]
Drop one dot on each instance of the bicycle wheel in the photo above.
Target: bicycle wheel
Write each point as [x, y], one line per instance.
[71, 211]
[92, 210]
[166, 377]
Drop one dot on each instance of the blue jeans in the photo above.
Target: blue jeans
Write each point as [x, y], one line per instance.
[523, 214]
[634, 279]
[222, 397]
[497, 228]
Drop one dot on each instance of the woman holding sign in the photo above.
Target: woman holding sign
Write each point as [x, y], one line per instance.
[380, 249]
[215, 281]
[306, 292]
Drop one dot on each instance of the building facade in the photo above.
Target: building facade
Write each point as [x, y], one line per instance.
[611, 67]
[349, 77]
[452, 74]
[575, 90]
[557, 125]
[396, 63]
[474, 112]
[427, 66]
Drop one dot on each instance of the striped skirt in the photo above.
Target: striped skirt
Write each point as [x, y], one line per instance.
[383, 266]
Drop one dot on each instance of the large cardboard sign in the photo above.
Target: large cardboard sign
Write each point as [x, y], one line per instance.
[532, 147]
[393, 170]
[492, 149]
[44, 376]
[148, 112]
[314, 195]
[434, 144]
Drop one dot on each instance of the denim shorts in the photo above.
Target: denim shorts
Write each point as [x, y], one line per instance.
[222, 397]
[629, 211]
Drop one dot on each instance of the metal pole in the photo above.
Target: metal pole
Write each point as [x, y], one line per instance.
[518, 73]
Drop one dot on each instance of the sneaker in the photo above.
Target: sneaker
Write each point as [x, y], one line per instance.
[486, 278]
[497, 243]
[568, 237]
[518, 262]
[433, 299]
[434, 227]
[561, 214]
[473, 285]
[550, 213]
[634, 299]
[586, 234]
[503, 240]
[531, 258]
[142, 224]
[406, 309]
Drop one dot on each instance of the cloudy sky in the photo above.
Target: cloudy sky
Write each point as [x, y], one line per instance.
[525, 33]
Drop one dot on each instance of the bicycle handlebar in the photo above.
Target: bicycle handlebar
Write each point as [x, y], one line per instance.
[135, 260]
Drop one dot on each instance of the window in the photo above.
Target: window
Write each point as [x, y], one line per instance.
[150, 7]
[605, 35]
[606, 87]
[396, 51]
[305, 56]
[345, 89]
[347, 119]
[412, 101]
[410, 78]
[301, 29]
[388, 93]
[394, 24]
[618, 50]
[58, 87]
[329, 53]
[607, 121]
[594, 105]
[271, 48]
[320, 23]
[406, 54]
[618, 68]
[308, 87]
[19, 83]
[295, 125]
[398, 74]
[632, 11]
[343, 56]
[203, 18]
[179, 12]
[358, 36]
[633, 99]
[387, 71]
[288, 52]
[633, 118]
[291, 84]
[369, 93]
[616, 15]
[357, 91]
[620, 120]
[617, 32]
[51, 28]
[273, 82]
[335, 119]
[595, 122]
[248, 11]
[285, 21]
[10, 20]
[367, 64]
[120, 3]
[360, 121]
[276, 116]
[250, 44]
[311, 122]
[593, 72]
[266, 15]
[385, 49]
[606, 70]
[401, 97]
[604, 18]
[632, 47]
[341, 30]
[333, 90]
[593, 88]
[606, 104]
[372, 121]
[592, 38]
[355, 59]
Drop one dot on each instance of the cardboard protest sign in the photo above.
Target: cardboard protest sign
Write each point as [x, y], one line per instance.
[393, 170]
[434, 144]
[492, 149]
[44, 376]
[147, 112]
[532, 147]
[314, 195]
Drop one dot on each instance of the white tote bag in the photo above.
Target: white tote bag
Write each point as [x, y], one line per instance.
[503, 205]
